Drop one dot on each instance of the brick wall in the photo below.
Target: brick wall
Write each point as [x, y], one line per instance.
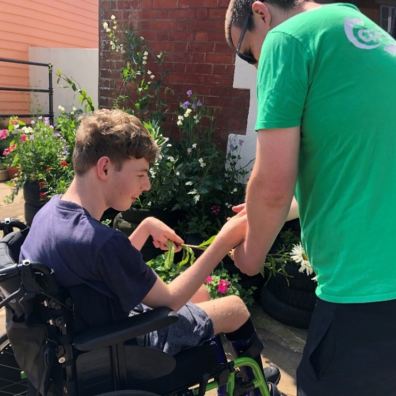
[191, 32]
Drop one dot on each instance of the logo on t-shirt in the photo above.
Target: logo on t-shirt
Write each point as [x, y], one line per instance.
[368, 38]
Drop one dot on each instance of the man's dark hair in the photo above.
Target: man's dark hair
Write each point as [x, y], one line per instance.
[239, 10]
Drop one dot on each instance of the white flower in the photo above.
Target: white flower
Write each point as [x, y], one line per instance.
[202, 163]
[177, 173]
[300, 257]
[189, 150]
[74, 108]
[187, 113]
[113, 17]
[27, 130]
[108, 30]
[189, 183]
[144, 62]
[32, 122]
[168, 145]
[194, 145]
[149, 72]
[105, 26]
[145, 53]
[180, 118]
[152, 76]
[159, 56]
[115, 27]
[141, 38]
[61, 108]
[179, 123]
[171, 159]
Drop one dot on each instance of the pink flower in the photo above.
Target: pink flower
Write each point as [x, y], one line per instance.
[208, 279]
[9, 150]
[223, 286]
[23, 138]
[3, 134]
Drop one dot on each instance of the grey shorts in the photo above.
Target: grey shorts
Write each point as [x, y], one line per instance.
[192, 328]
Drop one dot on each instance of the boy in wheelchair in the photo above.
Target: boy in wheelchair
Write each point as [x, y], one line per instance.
[111, 159]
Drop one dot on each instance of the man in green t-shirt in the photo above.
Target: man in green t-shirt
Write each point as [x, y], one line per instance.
[326, 88]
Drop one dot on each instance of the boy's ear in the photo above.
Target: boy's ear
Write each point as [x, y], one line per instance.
[102, 167]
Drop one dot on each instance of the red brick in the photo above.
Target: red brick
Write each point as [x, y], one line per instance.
[164, 3]
[201, 36]
[197, 3]
[220, 58]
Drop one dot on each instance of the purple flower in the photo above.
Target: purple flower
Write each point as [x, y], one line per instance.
[46, 120]
[189, 93]
[186, 104]
[199, 103]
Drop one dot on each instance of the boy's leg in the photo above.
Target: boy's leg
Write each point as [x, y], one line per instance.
[230, 315]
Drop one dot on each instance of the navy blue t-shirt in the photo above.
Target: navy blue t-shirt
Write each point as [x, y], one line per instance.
[105, 274]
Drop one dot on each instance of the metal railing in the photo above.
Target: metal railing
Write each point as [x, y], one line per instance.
[50, 89]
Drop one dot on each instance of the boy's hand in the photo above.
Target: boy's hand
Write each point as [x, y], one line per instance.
[233, 231]
[241, 208]
[161, 234]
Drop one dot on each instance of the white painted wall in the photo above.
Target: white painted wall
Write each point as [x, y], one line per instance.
[81, 64]
[245, 78]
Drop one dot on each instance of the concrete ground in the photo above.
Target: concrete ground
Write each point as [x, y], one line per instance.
[283, 345]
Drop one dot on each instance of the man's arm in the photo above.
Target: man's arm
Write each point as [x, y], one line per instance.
[269, 195]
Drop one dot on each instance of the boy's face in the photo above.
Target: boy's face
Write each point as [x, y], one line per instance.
[126, 185]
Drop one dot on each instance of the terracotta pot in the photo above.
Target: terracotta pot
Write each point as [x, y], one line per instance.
[3, 175]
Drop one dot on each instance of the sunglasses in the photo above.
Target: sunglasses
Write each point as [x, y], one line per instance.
[247, 57]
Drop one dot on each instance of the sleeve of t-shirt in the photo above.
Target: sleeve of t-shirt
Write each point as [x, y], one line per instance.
[123, 270]
[282, 82]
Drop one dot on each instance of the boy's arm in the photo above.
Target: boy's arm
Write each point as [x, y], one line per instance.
[158, 230]
[180, 290]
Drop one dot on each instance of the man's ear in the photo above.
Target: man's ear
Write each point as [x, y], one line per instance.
[263, 12]
[102, 167]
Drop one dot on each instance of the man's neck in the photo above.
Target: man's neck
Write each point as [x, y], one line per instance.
[82, 192]
[279, 15]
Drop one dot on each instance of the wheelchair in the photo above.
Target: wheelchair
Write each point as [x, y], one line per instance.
[43, 353]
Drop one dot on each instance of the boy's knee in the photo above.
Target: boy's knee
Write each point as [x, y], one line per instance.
[238, 305]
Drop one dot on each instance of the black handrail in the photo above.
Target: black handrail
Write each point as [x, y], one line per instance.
[50, 89]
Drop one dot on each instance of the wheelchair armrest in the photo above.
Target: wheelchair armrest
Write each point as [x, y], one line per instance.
[128, 329]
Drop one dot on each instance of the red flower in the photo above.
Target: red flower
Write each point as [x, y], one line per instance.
[64, 164]
[223, 286]
[208, 279]
[23, 138]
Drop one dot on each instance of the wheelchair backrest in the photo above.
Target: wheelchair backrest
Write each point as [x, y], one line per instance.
[38, 313]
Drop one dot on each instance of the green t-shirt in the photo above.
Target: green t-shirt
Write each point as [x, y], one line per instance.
[332, 71]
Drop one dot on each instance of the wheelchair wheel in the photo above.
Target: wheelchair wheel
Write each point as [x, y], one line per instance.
[11, 379]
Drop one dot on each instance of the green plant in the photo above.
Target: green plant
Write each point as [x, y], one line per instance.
[219, 284]
[142, 75]
[40, 153]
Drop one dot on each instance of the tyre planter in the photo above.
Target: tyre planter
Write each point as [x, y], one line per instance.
[283, 312]
[35, 196]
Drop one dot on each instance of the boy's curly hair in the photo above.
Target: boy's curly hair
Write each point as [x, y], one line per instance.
[111, 133]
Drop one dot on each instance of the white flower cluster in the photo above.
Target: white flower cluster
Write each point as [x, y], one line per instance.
[300, 257]
[110, 30]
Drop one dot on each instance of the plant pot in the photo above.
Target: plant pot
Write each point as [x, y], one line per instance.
[34, 194]
[3, 175]
[12, 172]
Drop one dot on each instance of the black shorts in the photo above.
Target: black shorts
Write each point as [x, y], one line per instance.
[350, 351]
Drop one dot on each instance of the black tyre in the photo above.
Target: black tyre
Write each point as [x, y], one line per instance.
[129, 393]
[11, 381]
[284, 292]
[283, 312]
